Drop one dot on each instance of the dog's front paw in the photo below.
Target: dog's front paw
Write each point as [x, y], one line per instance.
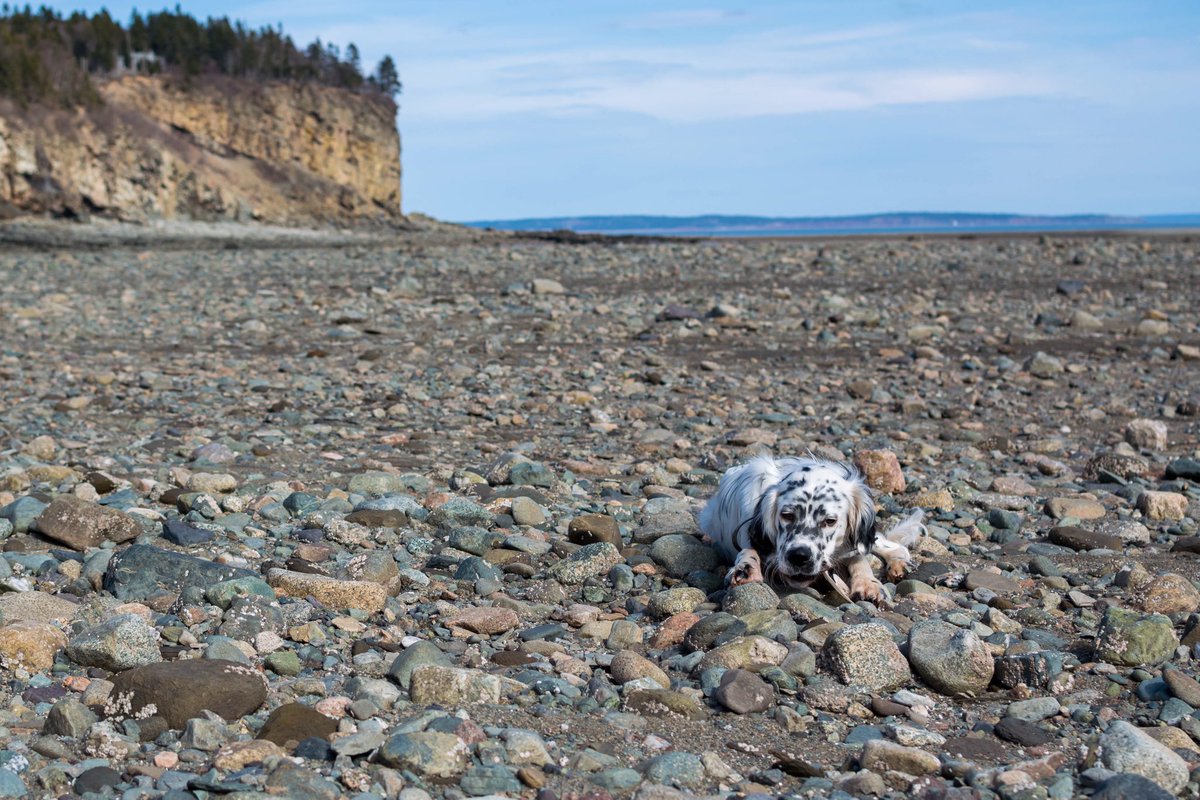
[870, 590]
[896, 570]
[745, 572]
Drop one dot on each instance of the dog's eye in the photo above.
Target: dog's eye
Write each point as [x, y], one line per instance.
[787, 516]
[829, 522]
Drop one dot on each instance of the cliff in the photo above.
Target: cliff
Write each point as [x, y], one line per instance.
[292, 154]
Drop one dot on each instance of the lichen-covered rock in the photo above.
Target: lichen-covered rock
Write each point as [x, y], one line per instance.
[1132, 639]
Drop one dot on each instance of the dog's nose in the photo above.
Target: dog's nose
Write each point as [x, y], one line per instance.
[803, 560]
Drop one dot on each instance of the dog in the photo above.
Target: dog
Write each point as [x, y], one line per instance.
[790, 520]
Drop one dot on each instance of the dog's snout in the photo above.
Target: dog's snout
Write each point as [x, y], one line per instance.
[803, 559]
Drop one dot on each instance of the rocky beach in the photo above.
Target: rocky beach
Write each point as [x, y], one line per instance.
[414, 516]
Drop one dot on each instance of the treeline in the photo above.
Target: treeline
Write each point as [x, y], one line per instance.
[49, 58]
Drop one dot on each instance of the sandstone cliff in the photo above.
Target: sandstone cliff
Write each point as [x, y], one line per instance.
[223, 150]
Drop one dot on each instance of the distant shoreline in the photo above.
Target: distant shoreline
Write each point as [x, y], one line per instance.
[897, 224]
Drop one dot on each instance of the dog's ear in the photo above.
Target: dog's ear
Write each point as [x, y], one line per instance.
[764, 523]
[860, 524]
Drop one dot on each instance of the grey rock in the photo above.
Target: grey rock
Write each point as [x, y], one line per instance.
[952, 660]
[681, 555]
[749, 597]
[1126, 748]
[69, 717]
[744, 692]
[589, 561]
[142, 570]
[115, 644]
[865, 655]
[412, 658]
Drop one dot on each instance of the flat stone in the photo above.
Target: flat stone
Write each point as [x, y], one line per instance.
[81, 525]
[178, 532]
[1186, 468]
[1183, 686]
[664, 703]
[881, 755]
[1077, 507]
[452, 687]
[340, 594]
[485, 619]
[36, 607]
[428, 754]
[141, 571]
[1082, 539]
[233, 756]
[745, 652]
[1018, 731]
[179, 690]
[292, 723]
[866, 656]
[939, 499]
[981, 579]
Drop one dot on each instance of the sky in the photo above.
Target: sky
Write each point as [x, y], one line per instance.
[516, 108]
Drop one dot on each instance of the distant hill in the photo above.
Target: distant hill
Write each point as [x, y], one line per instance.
[890, 222]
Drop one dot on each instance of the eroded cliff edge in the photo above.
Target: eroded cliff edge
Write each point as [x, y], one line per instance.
[224, 149]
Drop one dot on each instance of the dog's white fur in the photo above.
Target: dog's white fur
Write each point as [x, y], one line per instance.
[792, 519]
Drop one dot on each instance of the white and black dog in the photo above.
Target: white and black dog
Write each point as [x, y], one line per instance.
[789, 520]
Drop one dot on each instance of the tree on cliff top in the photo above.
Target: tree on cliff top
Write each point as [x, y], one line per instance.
[48, 58]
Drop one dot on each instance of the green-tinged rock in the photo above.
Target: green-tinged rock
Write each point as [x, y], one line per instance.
[223, 593]
[428, 754]
[283, 662]
[421, 654]
[1131, 639]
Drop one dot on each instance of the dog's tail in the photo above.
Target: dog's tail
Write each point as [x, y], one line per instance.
[893, 546]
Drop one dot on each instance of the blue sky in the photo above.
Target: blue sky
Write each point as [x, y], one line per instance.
[516, 109]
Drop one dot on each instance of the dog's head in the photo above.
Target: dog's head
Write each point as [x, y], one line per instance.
[817, 514]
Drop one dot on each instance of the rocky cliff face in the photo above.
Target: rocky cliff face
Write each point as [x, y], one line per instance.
[223, 150]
